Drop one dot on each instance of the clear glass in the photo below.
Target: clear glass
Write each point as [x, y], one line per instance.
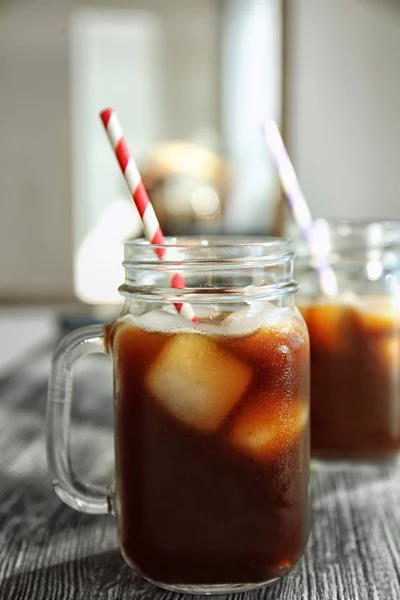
[355, 343]
[211, 415]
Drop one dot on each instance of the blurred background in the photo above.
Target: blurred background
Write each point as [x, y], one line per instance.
[190, 80]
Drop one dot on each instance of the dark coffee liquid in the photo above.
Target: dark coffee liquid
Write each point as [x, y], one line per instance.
[355, 381]
[226, 504]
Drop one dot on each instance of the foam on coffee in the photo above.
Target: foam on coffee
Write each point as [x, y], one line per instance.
[240, 323]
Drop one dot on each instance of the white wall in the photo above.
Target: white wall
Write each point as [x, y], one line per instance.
[251, 92]
[343, 118]
[343, 121]
[36, 220]
[35, 211]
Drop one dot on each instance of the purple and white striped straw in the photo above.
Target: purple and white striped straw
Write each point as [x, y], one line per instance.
[298, 205]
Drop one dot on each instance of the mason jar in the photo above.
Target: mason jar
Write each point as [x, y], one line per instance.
[355, 342]
[211, 414]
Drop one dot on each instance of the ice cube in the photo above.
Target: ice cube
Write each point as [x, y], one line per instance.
[196, 381]
[388, 354]
[267, 425]
[249, 319]
[378, 313]
[167, 320]
[327, 324]
[382, 355]
[163, 321]
[284, 344]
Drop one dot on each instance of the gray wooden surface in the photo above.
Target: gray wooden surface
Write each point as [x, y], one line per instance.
[48, 551]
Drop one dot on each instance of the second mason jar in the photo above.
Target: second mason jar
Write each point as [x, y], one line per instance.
[355, 342]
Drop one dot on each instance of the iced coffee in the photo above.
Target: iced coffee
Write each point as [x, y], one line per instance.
[212, 444]
[355, 377]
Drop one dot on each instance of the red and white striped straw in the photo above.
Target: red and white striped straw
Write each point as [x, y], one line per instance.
[151, 226]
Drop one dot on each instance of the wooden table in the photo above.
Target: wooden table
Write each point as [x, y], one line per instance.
[48, 551]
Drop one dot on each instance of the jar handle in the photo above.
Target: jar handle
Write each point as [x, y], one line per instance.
[85, 498]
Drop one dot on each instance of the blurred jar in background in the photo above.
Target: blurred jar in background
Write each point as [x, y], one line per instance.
[189, 186]
[355, 342]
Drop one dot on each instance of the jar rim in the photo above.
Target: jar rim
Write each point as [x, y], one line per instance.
[360, 225]
[221, 266]
[209, 248]
[339, 237]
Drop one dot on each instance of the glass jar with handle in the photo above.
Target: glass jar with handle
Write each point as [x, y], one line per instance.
[211, 415]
